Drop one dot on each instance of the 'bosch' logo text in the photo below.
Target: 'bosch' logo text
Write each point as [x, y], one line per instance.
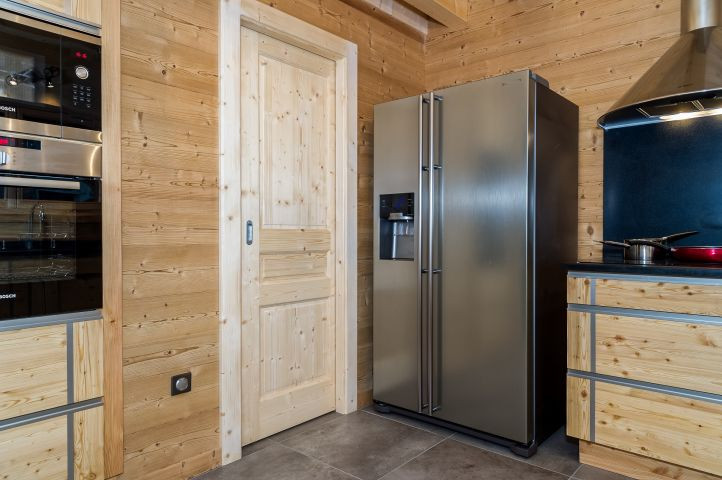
[5, 108]
[8, 296]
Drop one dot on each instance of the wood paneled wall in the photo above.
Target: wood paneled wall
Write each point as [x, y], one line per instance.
[590, 51]
[391, 65]
[169, 84]
[169, 118]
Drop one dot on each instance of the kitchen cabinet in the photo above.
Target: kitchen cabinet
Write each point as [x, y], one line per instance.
[84, 10]
[643, 357]
[51, 413]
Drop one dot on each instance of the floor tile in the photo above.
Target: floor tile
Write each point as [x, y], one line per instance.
[304, 427]
[256, 446]
[412, 422]
[363, 445]
[558, 453]
[276, 462]
[454, 460]
[587, 472]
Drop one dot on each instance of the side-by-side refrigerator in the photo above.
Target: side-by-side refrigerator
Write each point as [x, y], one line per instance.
[475, 218]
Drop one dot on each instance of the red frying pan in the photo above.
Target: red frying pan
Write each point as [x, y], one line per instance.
[697, 254]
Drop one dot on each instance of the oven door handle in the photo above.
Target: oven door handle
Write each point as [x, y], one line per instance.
[39, 183]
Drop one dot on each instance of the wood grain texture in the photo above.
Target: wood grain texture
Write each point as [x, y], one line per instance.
[579, 408]
[397, 14]
[390, 66]
[84, 10]
[38, 451]
[579, 341]
[231, 229]
[288, 177]
[169, 212]
[33, 369]
[88, 444]
[672, 429]
[590, 51]
[579, 290]
[678, 354]
[88, 360]
[660, 296]
[636, 466]
[169, 111]
[112, 241]
[450, 13]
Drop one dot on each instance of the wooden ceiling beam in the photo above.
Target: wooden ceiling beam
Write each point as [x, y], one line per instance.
[396, 14]
[450, 13]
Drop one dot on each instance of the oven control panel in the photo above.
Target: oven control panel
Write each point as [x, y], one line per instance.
[81, 84]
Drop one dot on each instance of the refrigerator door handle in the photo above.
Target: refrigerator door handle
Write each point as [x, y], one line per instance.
[430, 264]
[420, 249]
[435, 278]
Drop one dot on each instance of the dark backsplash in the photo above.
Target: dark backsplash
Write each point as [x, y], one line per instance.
[664, 178]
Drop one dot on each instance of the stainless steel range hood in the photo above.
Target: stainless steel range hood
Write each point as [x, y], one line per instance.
[686, 82]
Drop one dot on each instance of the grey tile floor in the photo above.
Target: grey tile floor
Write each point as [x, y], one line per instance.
[368, 446]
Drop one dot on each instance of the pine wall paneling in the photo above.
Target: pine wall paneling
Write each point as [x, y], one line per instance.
[170, 259]
[590, 51]
[169, 115]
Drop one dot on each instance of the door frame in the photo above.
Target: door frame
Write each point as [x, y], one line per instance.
[269, 21]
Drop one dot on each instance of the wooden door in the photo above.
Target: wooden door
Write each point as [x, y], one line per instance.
[288, 158]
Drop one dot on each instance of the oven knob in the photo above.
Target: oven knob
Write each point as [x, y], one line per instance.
[4, 157]
[81, 72]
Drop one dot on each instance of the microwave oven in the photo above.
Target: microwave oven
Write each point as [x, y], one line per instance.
[50, 79]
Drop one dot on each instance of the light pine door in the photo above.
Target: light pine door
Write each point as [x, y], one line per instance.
[288, 155]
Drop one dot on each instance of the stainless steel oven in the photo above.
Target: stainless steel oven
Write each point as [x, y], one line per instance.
[50, 169]
[50, 226]
[49, 79]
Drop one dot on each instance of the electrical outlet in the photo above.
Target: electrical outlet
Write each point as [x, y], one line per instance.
[180, 384]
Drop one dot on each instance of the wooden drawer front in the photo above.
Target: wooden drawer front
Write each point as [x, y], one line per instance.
[579, 338]
[579, 407]
[88, 360]
[579, 290]
[88, 463]
[33, 369]
[666, 352]
[678, 430]
[660, 296]
[38, 451]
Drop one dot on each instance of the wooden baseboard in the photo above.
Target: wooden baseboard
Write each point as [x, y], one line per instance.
[635, 466]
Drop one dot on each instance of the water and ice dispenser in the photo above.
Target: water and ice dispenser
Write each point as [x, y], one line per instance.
[396, 226]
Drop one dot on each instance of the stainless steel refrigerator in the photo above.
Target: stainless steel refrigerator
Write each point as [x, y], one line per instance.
[475, 217]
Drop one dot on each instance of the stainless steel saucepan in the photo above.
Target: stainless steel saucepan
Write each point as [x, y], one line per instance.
[647, 250]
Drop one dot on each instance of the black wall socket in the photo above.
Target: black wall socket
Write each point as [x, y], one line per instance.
[180, 384]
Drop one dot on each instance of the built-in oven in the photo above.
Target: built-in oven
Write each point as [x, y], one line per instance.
[50, 169]
[49, 79]
[50, 226]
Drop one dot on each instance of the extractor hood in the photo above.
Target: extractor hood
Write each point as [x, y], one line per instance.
[686, 81]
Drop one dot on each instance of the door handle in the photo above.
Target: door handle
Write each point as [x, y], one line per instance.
[31, 182]
[249, 232]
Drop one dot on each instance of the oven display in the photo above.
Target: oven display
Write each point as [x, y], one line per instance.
[20, 143]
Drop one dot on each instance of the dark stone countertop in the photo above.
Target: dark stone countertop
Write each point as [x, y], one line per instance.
[668, 268]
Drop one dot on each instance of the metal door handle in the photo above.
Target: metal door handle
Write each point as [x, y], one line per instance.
[249, 232]
[430, 265]
[39, 183]
[419, 228]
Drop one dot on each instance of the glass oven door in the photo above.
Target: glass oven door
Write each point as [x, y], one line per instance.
[50, 245]
[30, 79]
